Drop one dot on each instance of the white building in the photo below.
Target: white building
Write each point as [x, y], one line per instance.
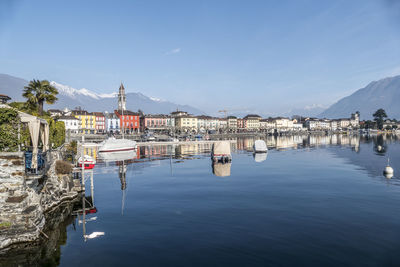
[112, 123]
[71, 123]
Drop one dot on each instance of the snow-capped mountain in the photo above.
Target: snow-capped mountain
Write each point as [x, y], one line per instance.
[86, 99]
[72, 92]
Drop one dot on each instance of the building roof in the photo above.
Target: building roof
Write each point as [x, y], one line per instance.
[126, 112]
[81, 112]
[252, 116]
[54, 110]
[67, 118]
[98, 114]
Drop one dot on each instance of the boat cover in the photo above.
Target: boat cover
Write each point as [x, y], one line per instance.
[221, 148]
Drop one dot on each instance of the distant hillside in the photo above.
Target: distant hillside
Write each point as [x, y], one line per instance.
[86, 99]
[384, 94]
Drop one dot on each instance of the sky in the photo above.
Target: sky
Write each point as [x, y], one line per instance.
[267, 57]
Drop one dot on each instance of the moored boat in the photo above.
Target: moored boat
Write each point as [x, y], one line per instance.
[88, 161]
[221, 152]
[260, 146]
[117, 145]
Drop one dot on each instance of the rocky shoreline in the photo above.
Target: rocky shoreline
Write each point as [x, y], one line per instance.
[25, 200]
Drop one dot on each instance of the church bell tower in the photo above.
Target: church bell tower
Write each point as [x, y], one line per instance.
[121, 98]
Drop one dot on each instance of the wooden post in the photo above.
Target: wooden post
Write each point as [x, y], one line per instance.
[83, 162]
[92, 187]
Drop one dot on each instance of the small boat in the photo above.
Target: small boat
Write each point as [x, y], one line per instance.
[88, 161]
[260, 146]
[221, 152]
[117, 145]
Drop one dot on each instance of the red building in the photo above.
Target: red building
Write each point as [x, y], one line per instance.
[129, 121]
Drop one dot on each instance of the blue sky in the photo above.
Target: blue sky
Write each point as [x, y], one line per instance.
[264, 56]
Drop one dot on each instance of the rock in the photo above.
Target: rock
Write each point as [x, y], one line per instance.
[25, 200]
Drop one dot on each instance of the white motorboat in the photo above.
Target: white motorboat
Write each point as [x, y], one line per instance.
[260, 146]
[117, 145]
[118, 156]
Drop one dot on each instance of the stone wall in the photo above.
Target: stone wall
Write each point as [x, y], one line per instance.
[24, 200]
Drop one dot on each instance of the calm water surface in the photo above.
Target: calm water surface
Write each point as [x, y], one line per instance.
[311, 202]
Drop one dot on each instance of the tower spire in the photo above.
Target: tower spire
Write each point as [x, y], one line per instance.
[121, 98]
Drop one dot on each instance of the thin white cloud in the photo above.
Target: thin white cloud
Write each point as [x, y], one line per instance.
[173, 51]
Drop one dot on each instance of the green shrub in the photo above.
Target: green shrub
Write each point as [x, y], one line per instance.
[63, 167]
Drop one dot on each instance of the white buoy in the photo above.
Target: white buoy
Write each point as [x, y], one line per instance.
[388, 172]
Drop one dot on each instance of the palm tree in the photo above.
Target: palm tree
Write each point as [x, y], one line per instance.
[37, 92]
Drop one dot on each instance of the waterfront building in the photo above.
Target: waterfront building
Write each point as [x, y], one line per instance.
[241, 124]
[186, 123]
[355, 120]
[343, 123]
[129, 120]
[207, 123]
[252, 122]
[179, 113]
[112, 123]
[222, 124]
[100, 122]
[232, 122]
[72, 124]
[158, 122]
[87, 121]
[283, 123]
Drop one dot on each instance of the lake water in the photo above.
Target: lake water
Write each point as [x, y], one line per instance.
[313, 201]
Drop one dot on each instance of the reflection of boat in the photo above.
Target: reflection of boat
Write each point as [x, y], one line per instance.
[117, 156]
[260, 157]
[221, 169]
[117, 145]
[88, 161]
[221, 151]
[260, 146]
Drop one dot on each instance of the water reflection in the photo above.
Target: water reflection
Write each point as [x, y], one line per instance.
[361, 152]
[45, 252]
[221, 169]
[260, 157]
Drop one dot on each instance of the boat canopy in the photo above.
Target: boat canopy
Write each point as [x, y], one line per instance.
[260, 146]
[221, 148]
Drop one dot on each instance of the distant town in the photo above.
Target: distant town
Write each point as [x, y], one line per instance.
[79, 121]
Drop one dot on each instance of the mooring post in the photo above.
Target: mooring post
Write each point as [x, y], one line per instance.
[92, 187]
[83, 162]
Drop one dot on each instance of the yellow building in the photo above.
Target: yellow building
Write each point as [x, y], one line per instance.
[186, 123]
[87, 121]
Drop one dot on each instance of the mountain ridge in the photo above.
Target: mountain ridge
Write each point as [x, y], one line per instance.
[383, 93]
[71, 98]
